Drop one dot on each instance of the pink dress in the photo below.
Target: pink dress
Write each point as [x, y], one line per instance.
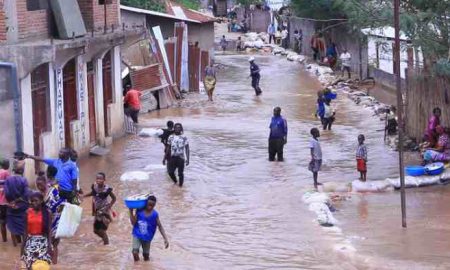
[430, 132]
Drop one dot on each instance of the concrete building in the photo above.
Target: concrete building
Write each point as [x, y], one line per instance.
[70, 90]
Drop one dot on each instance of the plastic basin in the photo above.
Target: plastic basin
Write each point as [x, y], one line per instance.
[435, 168]
[414, 170]
[136, 201]
[331, 95]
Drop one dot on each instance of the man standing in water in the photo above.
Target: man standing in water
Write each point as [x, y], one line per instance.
[177, 154]
[254, 73]
[67, 175]
[278, 135]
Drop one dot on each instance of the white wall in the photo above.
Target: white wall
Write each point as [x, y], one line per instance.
[27, 123]
[116, 109]
[386, 55]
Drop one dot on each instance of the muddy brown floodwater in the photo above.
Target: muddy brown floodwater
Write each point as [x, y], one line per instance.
[238, 211]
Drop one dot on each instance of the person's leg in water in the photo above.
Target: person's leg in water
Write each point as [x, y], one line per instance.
[330, 122]
[55, 243]
[4, 233]
[258, 89]
[171, 167]
[180, 165]
[136, 245]
[100, 229]
[348, 72]
[280, 146]
[3, 209]
[146, 250]
[272, 151]
[325, 123]
[315, 176]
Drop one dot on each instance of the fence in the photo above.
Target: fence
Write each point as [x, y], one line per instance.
[423, 93]
[385, 78]
[343, 37]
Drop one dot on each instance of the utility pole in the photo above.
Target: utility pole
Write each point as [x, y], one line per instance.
[399, 108]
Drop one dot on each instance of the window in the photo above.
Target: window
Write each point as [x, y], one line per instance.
[37, 5]
[102, 2]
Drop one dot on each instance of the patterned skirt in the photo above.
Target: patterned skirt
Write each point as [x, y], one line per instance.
[36, 248]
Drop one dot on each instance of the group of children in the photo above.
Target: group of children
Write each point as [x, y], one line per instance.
[327, 113]
[316, 156]
[33, 216]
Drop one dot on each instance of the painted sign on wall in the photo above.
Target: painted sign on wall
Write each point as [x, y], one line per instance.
[81, 100]
[60, 107]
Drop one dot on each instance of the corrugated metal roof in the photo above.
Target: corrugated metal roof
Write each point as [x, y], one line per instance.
[158, 14]
[177, 10]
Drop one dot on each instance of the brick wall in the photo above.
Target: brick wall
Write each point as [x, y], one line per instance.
[32, 24]
[93, 14]
[2, 22]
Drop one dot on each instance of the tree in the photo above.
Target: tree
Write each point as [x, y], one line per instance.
[425, 22]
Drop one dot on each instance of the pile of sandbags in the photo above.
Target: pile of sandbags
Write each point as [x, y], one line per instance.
[135, 176]
[320, 204]
[150, 132]
[371, 186]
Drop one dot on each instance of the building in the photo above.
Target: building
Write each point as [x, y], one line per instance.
[187, 41]
[69, 75]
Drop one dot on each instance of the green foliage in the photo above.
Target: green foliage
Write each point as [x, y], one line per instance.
[154, 5]
[247, 3]
[317, 9]
[191, 4]
[158, 5]
[425, 22]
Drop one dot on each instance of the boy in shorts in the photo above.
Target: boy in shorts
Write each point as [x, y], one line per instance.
[316, 155]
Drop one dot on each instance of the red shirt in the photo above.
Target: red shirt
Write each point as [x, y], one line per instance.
[132, 99]
[35, 222]
[3, 175]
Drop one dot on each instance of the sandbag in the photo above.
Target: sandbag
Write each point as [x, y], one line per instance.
[135, 176]
[324, 215]
[335, 187]
[315, 197]
[153, 167]
[416, 181]
[69, 221]
[370, 186]
[258, 44]
[150, 132]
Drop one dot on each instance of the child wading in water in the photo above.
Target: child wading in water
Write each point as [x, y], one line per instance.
[102, 206]
[361, 158]
[316, 155]
[144, 223]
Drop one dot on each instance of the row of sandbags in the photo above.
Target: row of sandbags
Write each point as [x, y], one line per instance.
[387, 184]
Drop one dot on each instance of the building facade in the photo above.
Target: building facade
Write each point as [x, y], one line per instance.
[70, 90]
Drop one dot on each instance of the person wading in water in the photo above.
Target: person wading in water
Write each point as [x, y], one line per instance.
[254, 73]
[210, 80]
[177, 154]
[278, 135]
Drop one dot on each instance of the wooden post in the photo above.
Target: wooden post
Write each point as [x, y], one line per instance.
[377, 46]
[399, 108]
[410, 52]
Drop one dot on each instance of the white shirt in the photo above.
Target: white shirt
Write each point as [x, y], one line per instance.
[316, 149]
[284, 34]
[345, 58]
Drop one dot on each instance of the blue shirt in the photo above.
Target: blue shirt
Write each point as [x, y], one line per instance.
[254, 70]
[145, 226]
[67, 173]
[278, 128]
[320, 108]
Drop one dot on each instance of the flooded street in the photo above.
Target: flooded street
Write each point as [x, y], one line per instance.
[238, 211]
